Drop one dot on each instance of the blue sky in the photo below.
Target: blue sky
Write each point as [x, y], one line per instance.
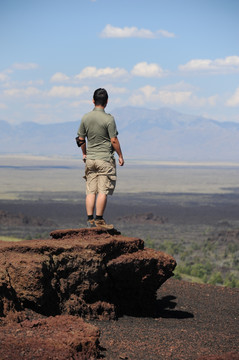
[181, 54]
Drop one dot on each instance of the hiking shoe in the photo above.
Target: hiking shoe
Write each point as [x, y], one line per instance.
[90, 223]
[102, 224]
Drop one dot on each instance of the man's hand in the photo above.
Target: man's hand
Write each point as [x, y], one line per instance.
[116, 145]
[84, 158]
[121, 161]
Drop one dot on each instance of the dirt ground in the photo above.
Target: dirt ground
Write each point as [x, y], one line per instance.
[193, 320]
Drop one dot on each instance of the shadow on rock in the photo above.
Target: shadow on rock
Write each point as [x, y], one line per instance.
[165, 308]
[161, 308]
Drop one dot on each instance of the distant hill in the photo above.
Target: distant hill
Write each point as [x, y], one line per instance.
[161, 134]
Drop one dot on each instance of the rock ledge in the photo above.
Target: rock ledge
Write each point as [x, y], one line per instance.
[89, 273]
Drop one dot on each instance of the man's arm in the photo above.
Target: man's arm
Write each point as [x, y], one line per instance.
[116, 145]
[83, 147]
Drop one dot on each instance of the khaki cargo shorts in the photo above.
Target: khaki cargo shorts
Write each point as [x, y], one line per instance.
[100, 176]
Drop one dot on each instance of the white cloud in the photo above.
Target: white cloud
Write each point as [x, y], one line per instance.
[147, 70]
[212, 100]
[3, 77]
[21, 85]
[234, 100]
[59, 77]
[25, 66]
[195, 65]
[133, 32]
[29, 91]
[200, 102]
[174, 97]
[151, 95]
[67, 91]
[93, 72]
[148, 90]
[164, 33]
[3, 106]
[228, 64]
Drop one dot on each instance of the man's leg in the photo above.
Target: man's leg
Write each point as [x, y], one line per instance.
[100, 208]
[101, 204]
[104, 188]
[90, 204]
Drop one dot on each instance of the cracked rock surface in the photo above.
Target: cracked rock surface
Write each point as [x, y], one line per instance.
[48, 286]
[86, 272]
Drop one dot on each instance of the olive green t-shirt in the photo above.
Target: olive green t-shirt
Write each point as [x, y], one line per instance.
[99, 128]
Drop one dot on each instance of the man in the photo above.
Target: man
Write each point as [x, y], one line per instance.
[100, 169]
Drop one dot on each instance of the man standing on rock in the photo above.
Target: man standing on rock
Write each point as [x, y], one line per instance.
[100, 169]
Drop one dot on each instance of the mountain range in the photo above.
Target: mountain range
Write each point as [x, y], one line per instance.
[162, 134]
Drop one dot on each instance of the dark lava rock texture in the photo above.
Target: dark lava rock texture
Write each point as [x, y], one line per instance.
[48, 286]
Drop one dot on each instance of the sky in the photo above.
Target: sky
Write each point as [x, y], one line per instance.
[179, 54]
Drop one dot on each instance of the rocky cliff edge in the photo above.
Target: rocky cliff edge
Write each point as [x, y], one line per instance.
[50, 285]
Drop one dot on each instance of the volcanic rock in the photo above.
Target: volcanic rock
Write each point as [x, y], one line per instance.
[86, 272]
[60, 337]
